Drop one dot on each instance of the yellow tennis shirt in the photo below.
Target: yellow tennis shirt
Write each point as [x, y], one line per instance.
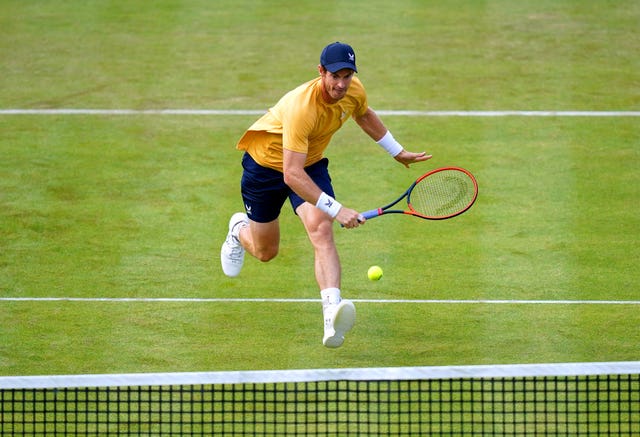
[302, 122]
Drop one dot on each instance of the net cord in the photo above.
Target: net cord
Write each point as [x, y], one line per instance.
[309, 375]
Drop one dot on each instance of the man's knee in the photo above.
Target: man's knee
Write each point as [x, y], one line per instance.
[266, 254]
[321, 233]
[262, 240]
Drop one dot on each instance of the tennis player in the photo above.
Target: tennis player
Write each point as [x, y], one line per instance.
[284, 159]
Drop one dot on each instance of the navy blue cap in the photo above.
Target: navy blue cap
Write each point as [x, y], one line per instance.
[337, 56]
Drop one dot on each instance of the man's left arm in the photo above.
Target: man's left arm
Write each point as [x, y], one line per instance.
[370, 123]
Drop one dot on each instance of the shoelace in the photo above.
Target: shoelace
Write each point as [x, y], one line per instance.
[236, 249]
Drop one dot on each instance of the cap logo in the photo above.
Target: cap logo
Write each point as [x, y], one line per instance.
[352, 57]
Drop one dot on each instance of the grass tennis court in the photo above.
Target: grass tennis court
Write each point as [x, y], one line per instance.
[136, 206]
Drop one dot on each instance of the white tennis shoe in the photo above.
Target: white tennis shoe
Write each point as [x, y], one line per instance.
[338, 320]
[232, 252]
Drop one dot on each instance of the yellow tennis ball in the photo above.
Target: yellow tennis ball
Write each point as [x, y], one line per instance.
[374, 273]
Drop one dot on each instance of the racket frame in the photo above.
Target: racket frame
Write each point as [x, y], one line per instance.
[407, 194]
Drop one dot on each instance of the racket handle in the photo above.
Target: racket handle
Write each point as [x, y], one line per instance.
[372, 213]
[369, 214]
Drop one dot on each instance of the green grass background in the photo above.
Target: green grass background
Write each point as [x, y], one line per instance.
[137, 206]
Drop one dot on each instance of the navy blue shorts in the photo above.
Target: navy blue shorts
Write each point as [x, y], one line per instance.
[264, 191]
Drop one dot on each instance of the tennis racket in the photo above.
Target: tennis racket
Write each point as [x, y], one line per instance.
[437, 195]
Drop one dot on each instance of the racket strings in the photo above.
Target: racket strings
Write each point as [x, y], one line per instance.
[442, 194]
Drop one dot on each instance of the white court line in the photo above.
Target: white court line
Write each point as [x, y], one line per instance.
[73, 111]
[294, 300]
[406, 113]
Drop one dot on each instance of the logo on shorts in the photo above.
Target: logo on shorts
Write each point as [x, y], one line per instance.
[248, 208]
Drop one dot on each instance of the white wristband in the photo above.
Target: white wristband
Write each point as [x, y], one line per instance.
[390, 144]
[328, 204]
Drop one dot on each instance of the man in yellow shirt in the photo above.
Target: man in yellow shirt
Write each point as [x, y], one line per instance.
[284, 159]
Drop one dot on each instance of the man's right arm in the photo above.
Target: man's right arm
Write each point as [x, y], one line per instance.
[299, 181]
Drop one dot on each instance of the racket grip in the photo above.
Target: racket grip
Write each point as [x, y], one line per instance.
[369, 214]
[372, 213]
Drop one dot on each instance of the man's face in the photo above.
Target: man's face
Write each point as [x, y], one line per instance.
[335, 85]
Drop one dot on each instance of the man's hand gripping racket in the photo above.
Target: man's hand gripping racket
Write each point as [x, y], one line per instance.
[439, 194]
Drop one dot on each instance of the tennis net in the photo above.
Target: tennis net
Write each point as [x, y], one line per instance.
[536, 399]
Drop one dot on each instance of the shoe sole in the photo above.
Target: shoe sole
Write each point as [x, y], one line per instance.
[344, 320]
[345, 317]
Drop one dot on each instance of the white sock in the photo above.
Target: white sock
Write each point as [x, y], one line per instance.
[330, 296]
